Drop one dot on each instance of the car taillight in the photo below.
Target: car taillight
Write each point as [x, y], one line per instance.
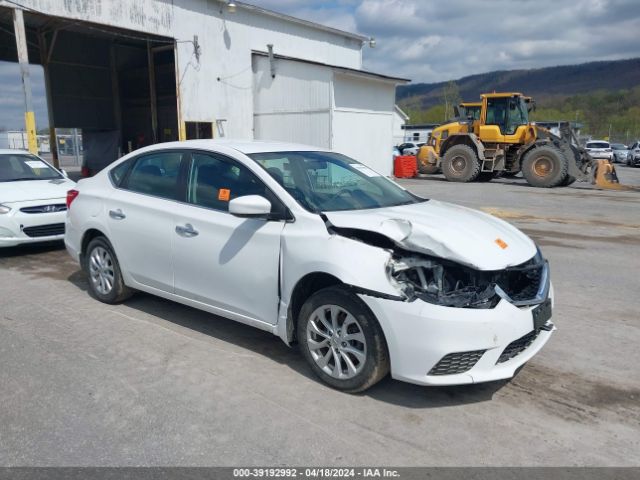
[85, 172]
[71, 196]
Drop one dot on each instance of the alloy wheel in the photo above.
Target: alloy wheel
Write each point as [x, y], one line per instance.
[336, 342]
[101, 270]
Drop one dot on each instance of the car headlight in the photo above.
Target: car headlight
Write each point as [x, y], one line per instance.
[449, 284]
[4, 209]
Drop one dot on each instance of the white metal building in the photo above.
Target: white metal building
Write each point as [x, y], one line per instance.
[400, 119]
[159, 70]
[418, 133]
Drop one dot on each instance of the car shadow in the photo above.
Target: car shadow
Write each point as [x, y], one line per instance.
[31, 249]
[264, 343]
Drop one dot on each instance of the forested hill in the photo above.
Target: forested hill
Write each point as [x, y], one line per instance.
[540, 83]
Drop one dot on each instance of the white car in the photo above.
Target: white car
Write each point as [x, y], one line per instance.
[316, 248]
[599, 150]
[409, 148]
[32, 199]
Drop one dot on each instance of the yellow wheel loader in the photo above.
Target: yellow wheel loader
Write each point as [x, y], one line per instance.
[495, 138]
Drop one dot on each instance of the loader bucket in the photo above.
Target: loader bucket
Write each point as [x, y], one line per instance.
[605, 176]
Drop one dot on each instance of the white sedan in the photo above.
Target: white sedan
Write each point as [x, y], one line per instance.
[32, 199]
[320, 250]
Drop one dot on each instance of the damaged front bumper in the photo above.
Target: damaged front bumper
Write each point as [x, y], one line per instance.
[486, 344]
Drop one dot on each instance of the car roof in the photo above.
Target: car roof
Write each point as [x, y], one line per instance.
[243, 146]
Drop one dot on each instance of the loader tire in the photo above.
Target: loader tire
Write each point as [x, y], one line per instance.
[460, 164]
[545, 167]
[428, 169]
[568, 180]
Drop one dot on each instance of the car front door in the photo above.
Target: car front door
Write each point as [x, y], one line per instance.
[141, 217]
[227, 262]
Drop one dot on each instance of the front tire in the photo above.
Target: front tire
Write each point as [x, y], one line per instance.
[342, 341]
[544, 166]
[460, 164]
[103, 272]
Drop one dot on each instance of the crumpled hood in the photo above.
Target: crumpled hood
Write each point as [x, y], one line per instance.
[28, 190]
[445, 230]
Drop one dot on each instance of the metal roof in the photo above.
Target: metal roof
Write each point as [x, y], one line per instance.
[350, 71]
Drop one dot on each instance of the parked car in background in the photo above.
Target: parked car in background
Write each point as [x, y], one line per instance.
[409, 148]
[313, 246]
[633, 159]
[32, 199]
[620, 152]
[599, 149]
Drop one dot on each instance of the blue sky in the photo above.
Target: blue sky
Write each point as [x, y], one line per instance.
[430, 41]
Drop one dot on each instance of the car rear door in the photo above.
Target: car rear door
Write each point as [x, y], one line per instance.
[141, 217]
[227, 262]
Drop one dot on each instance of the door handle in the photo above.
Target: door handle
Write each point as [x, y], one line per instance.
[117, 214]
[186, 230]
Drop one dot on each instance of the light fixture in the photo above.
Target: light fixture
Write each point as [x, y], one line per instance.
[372, 42]
[231, 6]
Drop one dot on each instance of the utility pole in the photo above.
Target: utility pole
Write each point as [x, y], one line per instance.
[23, 60]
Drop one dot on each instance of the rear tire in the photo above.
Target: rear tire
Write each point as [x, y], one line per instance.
[545, 167]
[103, 272]
[342, 341]
[568, 180]
[460, 164]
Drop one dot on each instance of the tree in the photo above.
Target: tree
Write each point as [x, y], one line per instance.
[451, 97]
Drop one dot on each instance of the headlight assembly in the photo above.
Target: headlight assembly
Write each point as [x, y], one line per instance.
[449, 285]
[4, 209]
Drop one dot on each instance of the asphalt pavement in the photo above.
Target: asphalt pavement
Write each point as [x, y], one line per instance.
[150, 382]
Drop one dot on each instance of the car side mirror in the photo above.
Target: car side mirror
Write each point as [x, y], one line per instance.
[250, 206]
[64, 173]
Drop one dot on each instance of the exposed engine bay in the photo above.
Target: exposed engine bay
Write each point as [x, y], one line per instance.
[449, 284]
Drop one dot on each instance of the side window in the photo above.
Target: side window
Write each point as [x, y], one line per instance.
[118, 172]
[156, 174]
[214, 181]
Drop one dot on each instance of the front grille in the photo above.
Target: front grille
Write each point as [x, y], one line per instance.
[44, 230]
[523, 282]
[459, 362]
[518, 346]
[58, 207]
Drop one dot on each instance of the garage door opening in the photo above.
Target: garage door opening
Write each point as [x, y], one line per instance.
[116, 86]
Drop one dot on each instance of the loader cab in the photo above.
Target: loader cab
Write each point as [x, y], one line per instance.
[504, 118]
[471, 110]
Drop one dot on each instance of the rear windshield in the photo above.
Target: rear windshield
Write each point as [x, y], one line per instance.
[15, 167]
[597, 145]
[618, 146]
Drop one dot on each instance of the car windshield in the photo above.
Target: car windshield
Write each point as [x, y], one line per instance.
[618, 146]
[16, 167]
[326, 182]
[597, 145]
